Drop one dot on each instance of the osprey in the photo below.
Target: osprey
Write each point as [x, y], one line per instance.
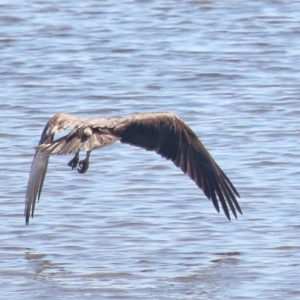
[162, 132]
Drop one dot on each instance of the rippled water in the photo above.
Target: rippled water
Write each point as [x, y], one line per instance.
[134, 227]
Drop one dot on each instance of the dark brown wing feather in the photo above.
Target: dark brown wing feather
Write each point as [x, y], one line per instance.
[168, 136]
[36, 177]
[39, 164]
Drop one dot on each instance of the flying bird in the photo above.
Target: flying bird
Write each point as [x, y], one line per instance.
[161, 132]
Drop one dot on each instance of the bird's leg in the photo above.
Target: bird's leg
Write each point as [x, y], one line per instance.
[73, 163]
[84, 164]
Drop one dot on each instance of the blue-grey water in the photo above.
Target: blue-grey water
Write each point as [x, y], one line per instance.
[134, 227]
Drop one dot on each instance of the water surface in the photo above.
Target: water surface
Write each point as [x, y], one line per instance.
[134, 227]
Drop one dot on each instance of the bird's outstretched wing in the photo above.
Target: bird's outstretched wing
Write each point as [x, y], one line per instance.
[170, 137]
[163, 133]
[39, 164]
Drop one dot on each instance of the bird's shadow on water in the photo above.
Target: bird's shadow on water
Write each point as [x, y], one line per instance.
[210, 280]
[42, 268]
[213, 280]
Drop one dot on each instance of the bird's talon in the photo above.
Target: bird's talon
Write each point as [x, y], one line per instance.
[73, 163]
[83, 166]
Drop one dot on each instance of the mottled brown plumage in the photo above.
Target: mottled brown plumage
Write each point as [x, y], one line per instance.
[163, 133]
